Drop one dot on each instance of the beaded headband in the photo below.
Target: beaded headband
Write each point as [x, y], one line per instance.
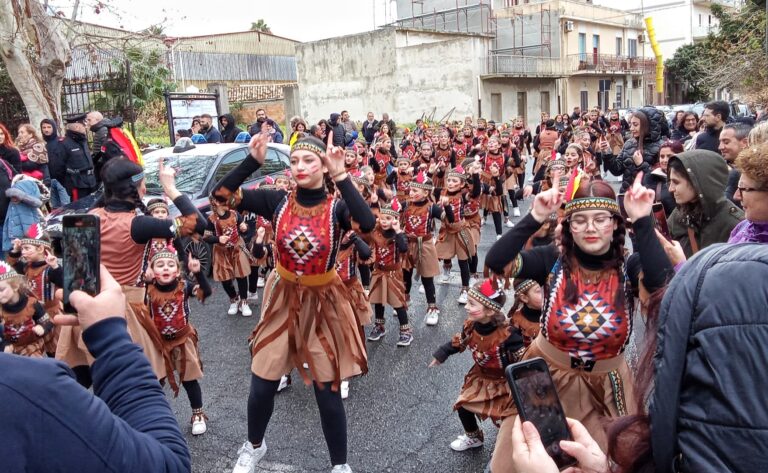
[457, 172]
[524, 287]
[422, 182]
[36, 236]
[485, 295]
[157, 205]
[308, 146]
[592, 203]
[392, 209]
[7, 271]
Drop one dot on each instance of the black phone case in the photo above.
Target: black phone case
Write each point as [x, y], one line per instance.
[95, 222]
[565, 460]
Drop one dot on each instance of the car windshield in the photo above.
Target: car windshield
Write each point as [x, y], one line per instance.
[191, 172]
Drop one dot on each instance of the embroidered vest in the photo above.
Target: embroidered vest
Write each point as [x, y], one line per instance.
[169, 310]
[226, 227]
[306, 238]
[461, 150]
[385, 249]
[38, 283]
[444, 156]
[418, 222]
[346, 262]
[456, 202]
[403, 185]
[491, 159]
[382, 159]
[19, 325]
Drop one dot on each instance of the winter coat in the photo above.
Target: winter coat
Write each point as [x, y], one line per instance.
[229, 132]
[22, 214]
[11, 156]
[623, 164]
[709, 139]
[34, 159]
[338, 130]
[708, 412]
[656, 180]
[57, 167]
[78, 162]
[212, 135]
[255, 129]
[6, 174]
[708, 173]
[100, 131]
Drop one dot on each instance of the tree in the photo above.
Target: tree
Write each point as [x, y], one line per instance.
[687, 66]
[260, 25]
[35, 52]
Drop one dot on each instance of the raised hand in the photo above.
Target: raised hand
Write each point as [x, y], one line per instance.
[260, 232]
[334, 159]
[638, 200]
[257, 147]
[193, 264]
[51, 260]
[167, 177]
[637, 158]
[396, 225]
[548, 201]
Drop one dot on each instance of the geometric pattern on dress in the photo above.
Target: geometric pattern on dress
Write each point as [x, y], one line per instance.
[167, 312]
[590, 318]
[301, 243]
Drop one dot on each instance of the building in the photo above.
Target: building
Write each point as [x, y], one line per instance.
[548, 55]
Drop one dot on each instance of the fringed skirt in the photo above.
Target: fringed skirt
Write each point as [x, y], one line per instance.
[230, 262]
[388, 288]
[459, 245]
[487, 395]
[360, 304]
[422, 255]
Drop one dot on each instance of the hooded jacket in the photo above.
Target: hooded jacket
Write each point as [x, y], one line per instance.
[57, 154]
[708, 413]
[338, 130]
[229, 132]
[708, 173]
[623, 164]
[23, 214]
[100, 131]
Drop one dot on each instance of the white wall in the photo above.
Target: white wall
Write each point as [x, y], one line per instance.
[509, 88]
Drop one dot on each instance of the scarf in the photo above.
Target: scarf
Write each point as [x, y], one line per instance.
[748, 231]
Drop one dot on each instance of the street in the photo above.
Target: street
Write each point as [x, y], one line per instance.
[400, 415]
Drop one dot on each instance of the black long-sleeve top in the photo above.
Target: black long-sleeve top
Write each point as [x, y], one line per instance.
[55, 276]
[144, 227]
[506, 349]
[264, 202]
[537, 262]
[211, 237]
[401, 241]
[39, 316]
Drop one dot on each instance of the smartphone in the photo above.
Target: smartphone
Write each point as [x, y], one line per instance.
[81, 255]
[536, 398]
[660, 220]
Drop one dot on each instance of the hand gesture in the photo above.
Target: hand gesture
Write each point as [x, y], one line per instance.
[672, 248]
[409, 170]
[193, 264]
[52, 260]
[527, 191]
[243, 227]
[334, 157]
[8, 348]
[637, 158]
[548, 201]
[638, 200]
[528, 452]
[167, 177]
[584, 449]
[434, 363]
[257, 147]
[149, 275]
[432, 168]
[396, 225]
[374, 197]
[223, 239]
[260, 232]
[39, 330]
[604, 146]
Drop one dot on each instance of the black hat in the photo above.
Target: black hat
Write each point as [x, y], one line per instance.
[76, 118]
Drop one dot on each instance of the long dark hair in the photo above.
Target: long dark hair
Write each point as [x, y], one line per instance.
[692, 213]
[645, 128]
[616, 250]
[119, 186]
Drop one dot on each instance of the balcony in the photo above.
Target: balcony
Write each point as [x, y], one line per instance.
[701, 32]
[607, 64]
[568, 10]
[499, 65]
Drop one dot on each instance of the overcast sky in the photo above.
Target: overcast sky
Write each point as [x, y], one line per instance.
[302, 20]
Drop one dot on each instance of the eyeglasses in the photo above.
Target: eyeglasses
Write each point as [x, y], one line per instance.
[601, 222]
[750, 189]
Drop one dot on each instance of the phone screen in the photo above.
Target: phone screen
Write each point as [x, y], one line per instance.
[537, 402]
[81, 254]
[660, 220]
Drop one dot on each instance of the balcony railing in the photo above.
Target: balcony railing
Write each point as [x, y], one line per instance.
[527, 66]
[608, 64]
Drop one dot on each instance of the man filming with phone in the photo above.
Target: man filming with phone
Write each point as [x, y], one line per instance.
[125, 425]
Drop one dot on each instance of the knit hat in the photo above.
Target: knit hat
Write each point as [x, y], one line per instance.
[7, 272]
[160, 249]
[36, 236]
[457, 172]
[422, 182]
[392, 208]
[487, 294]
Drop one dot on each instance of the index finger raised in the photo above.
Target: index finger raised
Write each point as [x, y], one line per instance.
[329, 144]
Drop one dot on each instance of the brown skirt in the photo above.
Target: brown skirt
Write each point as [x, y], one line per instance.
[71, 349]
[359, 300]
[474, 223]
[459, 245]
[35, 349]
[511, 183]
[307, 324]
[422, 256]
[486, 395]
[52, 337]
[388, 288]
[491, 203]
[589, 397]
[230, 263]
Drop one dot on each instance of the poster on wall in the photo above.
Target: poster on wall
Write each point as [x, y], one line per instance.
[182, 108]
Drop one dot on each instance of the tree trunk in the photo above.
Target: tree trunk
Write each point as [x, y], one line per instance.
[35, 53]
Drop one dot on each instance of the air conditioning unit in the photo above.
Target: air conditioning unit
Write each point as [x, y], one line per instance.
[641, 38]
[568, 26]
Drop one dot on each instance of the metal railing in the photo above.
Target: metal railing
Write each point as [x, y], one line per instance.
[528, 66]
[606, 63]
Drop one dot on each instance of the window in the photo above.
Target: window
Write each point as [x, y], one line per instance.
[596, 43]
[582, 46]
[699, 19]
[619, 95]
[496, 107]
[619, 42]
[522, 106]
[632, 48]
[584, 100]
[229, 163]
[275, 161]
[544, 98]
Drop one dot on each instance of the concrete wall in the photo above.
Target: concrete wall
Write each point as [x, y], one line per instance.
[509, 89]
[591, 84]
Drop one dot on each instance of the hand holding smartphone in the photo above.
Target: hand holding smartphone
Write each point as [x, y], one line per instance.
[536, 399]
[81, 254]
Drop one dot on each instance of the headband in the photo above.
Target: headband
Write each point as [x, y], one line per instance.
[592, 203]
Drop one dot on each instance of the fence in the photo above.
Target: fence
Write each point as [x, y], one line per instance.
[257, 92]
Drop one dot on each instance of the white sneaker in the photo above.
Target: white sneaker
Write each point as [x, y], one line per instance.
[432, 317]
[421, 290]
[245, 311]
[199, 426]
[498, 237]
[233, 308]
[285, 383]
[462, 297]
[341, 469]
[464, 442]
[516, 212]
[446, 276]
[510, 224]
[253, 296]
[260, 282]
[367, 292]
[248, 457]
[344, 389]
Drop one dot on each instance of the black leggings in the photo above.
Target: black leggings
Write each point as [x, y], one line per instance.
[242, 288]
[194, 393]
[365, 274]
[473, 262]
[497, 222]
[463, 268]
[468, 420]
[253, 279]
[429, 285]
[402, 314]
[261, 403]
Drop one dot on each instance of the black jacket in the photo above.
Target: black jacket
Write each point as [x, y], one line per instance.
[709, 139]
[78, 162]
[338, 130]
[709, 405]
[11, 156]
[5, 184]
[370, 130]
[229, 132]
[100, 131]
[624, 165]
[56, 153]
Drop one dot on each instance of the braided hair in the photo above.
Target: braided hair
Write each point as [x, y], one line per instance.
[616, 249]
[119, 186]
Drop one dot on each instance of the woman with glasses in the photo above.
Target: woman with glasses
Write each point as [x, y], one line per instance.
[752, 192]
[588, 306]
[686, 128]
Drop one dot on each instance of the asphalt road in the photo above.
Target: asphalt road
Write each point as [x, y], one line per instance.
[400, 415]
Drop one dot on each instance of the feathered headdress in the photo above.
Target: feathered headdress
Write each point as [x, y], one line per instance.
[488, 295]
[391, 208]
[422, 181]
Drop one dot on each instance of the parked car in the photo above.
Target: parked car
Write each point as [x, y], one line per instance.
[197, 171]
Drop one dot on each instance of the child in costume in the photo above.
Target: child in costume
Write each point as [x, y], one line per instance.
[472, 211]
[230, 257]
[387, 286]
[174, 336]
[493, 176]
[23, 317]
[419, 217]
[34, 258]
[525, 314]
[494, 345]
[401, 177]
